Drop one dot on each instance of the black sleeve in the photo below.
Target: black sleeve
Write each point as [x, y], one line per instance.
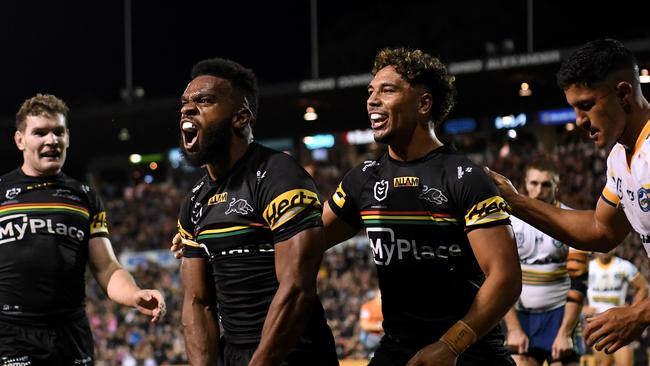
[344, 201]
[478, 198]
[98, 220]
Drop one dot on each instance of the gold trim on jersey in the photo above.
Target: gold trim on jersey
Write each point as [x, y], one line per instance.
[614, 300]
[642, 137]
[184, 233]
[532, 277]
[492, 209]
[610, 196]
[339, 196]
[288, 205]
[98, 223]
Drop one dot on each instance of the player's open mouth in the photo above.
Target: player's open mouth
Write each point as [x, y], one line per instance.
[377, 120]
[190, 133]
[51, 154]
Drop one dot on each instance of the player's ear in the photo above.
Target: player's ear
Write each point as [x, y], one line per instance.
[242, 118]
[425, 103]
[67, 132]
[624, 93]
[19, 139]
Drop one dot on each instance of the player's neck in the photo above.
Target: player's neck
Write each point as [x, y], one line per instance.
[605, 262]
[223, 163]
[419, 145]
[635, 125]
[32, 172]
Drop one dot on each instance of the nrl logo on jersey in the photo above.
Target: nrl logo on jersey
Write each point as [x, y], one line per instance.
[239, 206]
[399, 182]
[218, 198]
[11, 193]
[381, 190]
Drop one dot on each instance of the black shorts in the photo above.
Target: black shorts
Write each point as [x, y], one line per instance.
[396, 352]
[68, 344]
[240, 355]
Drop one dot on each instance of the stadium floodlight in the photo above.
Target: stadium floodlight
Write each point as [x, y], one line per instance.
[310, 114]
[644, 77]
[135, 158]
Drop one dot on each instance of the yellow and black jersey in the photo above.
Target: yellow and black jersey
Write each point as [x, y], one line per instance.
[416, 215]
[236, 222]
[45, 225]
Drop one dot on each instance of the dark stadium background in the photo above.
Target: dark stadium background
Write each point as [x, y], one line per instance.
[76, 50]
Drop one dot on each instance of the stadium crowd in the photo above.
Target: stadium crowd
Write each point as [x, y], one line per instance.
[142, 217]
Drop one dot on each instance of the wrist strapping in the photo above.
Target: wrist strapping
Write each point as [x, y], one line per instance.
[459, 337]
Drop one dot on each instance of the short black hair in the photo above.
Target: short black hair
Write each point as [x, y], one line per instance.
[594, 62]
[241, 78]
[420, 68]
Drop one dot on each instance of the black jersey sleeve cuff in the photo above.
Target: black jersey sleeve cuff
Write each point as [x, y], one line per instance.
[355, 222]
[288, 233]
[99, 234]
[486, 225]
[194, 252]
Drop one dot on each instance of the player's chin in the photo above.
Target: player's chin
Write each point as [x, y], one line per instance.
[51, 166]
[380, 136]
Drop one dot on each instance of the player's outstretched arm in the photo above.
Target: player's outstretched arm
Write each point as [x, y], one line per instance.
[200, 324]
[598, 230]
[297, 261]
[496, 253]
[118, 283]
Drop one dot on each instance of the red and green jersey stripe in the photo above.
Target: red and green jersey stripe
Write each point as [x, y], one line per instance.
[43, 208]
[230, 231]
[409, 218]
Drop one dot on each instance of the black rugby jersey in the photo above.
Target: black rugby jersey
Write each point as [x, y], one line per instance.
[266, 198]
[45, 225]
[416, 215]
